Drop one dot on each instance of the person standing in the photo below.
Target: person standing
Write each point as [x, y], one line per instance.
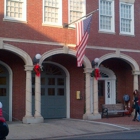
[136, 100]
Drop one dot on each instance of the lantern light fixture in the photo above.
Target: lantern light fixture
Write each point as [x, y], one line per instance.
[36, 59]
[95, 62]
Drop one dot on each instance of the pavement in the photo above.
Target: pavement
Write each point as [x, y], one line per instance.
[62, 128]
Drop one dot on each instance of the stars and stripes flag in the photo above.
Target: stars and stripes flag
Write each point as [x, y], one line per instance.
[82, 34]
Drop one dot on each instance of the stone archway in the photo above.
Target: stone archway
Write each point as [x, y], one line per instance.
[86, 62]
[87, 70]
[134, 65]
[28, 68]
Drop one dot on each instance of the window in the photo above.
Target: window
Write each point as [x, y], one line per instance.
[52, 12]
[15, 10]
[106, 16]
[77, 9]
[126, 18]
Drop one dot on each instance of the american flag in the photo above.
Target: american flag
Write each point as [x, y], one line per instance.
[82, 34]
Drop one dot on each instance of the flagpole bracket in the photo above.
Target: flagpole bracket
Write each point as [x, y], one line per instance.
[65, 25]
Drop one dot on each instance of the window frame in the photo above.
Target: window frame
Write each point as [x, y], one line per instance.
[59, 15]
[132, 19]
[24, 11]
[84, 12]
[112, 30]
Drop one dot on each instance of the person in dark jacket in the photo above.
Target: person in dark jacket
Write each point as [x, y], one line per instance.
[4, 130]
[136, 100]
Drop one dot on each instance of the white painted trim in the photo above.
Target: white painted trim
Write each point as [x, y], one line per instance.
[128, 1]
[70, 45]
[67, 87]
[107, 71]
[112, 49]
[22, 54]
[36, 42]
[10, 88]
[86, 61]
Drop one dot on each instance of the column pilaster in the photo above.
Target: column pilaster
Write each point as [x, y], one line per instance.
[28, 99]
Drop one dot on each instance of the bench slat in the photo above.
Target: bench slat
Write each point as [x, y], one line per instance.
[112, 108]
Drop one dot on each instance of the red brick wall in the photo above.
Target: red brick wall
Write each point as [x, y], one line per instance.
[34, 30]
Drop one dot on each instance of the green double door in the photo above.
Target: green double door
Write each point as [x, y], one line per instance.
[4, 91]
[53, 92]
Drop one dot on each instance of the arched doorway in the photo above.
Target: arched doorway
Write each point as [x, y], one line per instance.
[106, 87]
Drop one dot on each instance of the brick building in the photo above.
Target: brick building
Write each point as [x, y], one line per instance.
[30, 27]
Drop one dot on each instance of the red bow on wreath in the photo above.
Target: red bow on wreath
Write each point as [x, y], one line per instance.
[97, 73]
[37, 70]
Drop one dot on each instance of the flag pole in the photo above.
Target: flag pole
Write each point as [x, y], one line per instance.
[65, 25]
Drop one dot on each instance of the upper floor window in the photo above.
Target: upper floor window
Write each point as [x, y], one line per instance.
[106, 15]
[126, 18]
[77, 9]
[52, 12]
[15, 10]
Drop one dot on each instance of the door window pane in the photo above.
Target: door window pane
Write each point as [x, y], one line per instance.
[51, 81]
[2, 91]
[60, 81]
[42, 81]
[51, 91]
[60, 91]
[2, 80]
[42, 91]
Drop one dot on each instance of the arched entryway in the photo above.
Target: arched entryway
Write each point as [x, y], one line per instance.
[27, 62]
[53, 91]
[125, 69]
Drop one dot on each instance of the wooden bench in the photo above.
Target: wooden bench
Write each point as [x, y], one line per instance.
[112, 108]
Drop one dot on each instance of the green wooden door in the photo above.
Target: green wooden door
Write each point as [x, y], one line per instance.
[4, 91]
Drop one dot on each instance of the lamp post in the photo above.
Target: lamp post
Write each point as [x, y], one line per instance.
[95, 73]
[95, 62]
[36, 65]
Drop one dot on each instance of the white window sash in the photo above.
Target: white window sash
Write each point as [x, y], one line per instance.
[107, 15]
[59, 23]
[131, 20]
[24, 9]
[82, 11]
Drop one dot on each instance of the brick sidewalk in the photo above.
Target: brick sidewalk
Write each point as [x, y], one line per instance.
[125, 120]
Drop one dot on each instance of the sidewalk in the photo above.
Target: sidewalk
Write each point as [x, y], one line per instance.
[56, 128]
